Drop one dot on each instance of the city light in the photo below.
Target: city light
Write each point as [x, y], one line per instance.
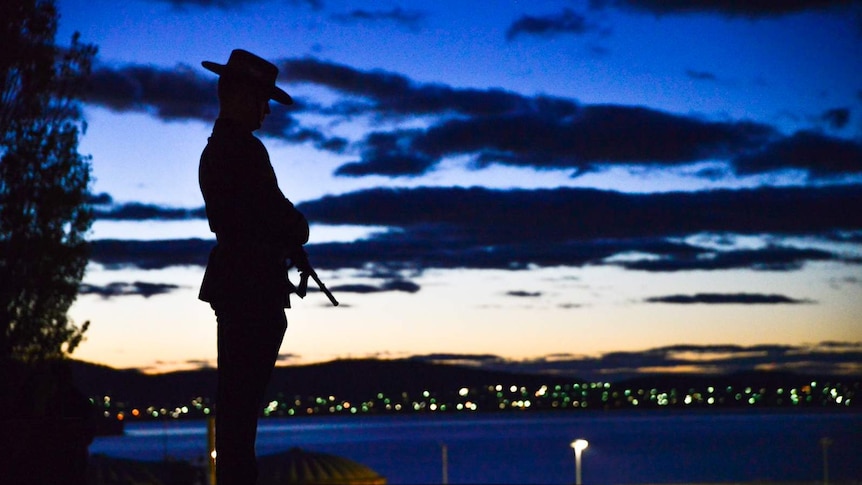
[580, 445]
[572, 397]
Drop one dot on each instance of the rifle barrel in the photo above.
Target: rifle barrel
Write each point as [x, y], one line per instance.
[324, 289]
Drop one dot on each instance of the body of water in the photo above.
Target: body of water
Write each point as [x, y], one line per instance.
[624, 447]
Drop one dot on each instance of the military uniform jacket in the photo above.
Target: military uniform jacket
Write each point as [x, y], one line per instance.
[256, 226]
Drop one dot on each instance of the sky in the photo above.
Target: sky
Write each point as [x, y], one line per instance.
[599, 187]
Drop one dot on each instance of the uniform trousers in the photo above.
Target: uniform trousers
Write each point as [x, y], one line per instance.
[248, 342]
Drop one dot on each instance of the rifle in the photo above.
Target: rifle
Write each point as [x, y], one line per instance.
[300, 260]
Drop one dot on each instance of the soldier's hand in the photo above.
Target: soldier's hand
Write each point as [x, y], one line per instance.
[299, 258]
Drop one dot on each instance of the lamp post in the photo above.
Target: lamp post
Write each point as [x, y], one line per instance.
[824, 443]
[211, 469]
[579, 445]
[445, 455]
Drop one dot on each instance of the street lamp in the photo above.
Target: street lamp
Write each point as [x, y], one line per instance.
[579, 445]
[825, 442]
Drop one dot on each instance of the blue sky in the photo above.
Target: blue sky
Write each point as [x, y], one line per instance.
[552, 184]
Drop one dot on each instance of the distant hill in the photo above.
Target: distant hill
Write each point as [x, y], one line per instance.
[348, 379]
[129, 385]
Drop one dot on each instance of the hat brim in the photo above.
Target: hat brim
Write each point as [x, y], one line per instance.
[276, 94]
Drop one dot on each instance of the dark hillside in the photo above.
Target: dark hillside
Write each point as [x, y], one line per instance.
[347, 379]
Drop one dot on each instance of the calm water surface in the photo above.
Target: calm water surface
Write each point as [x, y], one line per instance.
[624, 447]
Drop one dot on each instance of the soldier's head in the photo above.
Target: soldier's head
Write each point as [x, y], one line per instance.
[246, 84]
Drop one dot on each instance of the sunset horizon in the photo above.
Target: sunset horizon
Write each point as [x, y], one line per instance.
[522, 181]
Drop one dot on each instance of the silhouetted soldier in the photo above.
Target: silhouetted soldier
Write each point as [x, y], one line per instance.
[246, 277]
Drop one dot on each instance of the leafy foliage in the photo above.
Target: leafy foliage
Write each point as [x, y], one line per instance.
[44, 182]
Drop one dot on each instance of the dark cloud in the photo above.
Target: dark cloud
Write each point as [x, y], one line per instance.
[283, 125]
[512, 229]
[488, 126]
[495, 126]
[829, 358]
[524, 294]
[409, 252]
[565, 22]
[415, 252]
[463, 359]
[180, 93]
[401, 285]
[569, 306]
[135, 211]
[102, 198]
[407, 18]
[357, 288]
[772, 258]
[157, 254]
[846, 237]
[139, 288]
[169, 94]
[387, 93]
[394, 285]
[700, 75]
[726, 298]
[602, 137]
[547, 215]
[836, 118]
[483, 228]
[389, 154]
[201, 363]
[594, 137]
[730, 8]
[821, 156]
[847, 280]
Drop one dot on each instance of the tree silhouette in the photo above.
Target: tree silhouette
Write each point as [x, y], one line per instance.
[44, 182]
